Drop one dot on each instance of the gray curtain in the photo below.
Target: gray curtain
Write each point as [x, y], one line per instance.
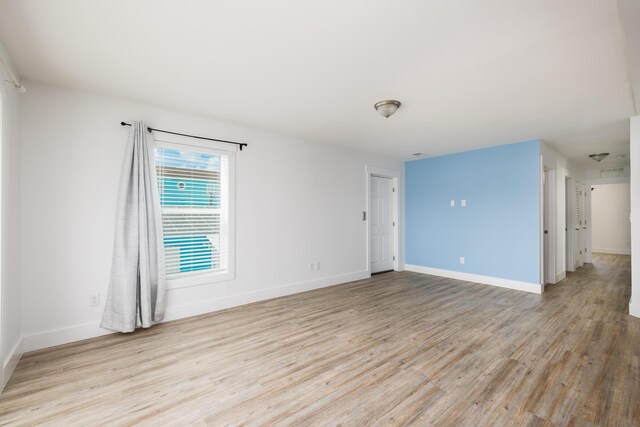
[137, 283]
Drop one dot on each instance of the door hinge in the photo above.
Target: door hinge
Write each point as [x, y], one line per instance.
[394, 223]
[393, 189]
[394, 257]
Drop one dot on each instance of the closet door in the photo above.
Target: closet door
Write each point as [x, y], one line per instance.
[382, 223]
[577, 235]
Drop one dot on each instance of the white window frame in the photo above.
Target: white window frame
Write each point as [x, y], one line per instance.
[183, 143]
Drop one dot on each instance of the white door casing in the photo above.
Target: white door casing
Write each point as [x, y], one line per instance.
[570, 263]
[549, 226]
[382, 224]
[577, 224]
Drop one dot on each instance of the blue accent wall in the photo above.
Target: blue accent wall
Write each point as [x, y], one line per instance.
[498, 232]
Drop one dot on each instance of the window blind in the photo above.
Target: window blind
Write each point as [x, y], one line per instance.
[193, 187]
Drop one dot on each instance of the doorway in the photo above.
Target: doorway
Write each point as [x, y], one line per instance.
[610, 225]
[381, 218]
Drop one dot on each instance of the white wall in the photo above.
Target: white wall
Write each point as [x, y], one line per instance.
[563, 169]
[10, 298]
[610, 226]
[297, 202]
[634, 157]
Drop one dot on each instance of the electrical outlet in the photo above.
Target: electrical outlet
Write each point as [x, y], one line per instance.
[461, 260]
[318, 266]
[94, 300]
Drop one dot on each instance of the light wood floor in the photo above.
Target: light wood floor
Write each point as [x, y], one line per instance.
[400, 348]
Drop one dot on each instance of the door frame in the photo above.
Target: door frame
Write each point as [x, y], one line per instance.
[395, 177]
[549, 212]
[586, 231]
[570, 197]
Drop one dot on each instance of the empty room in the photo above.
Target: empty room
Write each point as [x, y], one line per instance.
[321, 213]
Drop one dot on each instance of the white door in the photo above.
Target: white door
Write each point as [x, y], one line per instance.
[578, 224]
[585, 230]
[382, 223]
[569, 229]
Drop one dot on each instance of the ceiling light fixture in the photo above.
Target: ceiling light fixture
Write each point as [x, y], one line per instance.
[388, 107]
[599, 157]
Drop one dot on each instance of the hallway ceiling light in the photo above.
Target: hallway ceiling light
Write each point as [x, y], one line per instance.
[599, 157]
[388, 107]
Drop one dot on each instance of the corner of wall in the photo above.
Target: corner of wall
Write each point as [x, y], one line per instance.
[10, 283]
[634, 158]
[10, 362]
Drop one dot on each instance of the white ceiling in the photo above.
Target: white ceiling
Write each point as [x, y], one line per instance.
[468, 73]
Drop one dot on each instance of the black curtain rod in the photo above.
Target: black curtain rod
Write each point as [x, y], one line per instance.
[149, 129]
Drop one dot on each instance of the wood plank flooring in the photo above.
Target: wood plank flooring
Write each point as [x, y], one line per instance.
[398, 349]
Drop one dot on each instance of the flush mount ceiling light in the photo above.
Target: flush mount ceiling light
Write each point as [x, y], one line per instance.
[388, 107]
[599, 157]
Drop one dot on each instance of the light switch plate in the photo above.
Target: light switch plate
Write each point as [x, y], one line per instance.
[453, 203]
[463, 203]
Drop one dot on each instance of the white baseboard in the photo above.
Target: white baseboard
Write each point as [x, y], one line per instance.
[561, 276]
[614, 251]
[634, 310]
[11, 361]
[535, 288]
[91, 330]
[208, 306]
[66, 335]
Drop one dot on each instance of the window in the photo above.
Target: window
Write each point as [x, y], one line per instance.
[194, 186]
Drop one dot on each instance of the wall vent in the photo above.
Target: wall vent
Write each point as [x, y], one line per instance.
[611, 172]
